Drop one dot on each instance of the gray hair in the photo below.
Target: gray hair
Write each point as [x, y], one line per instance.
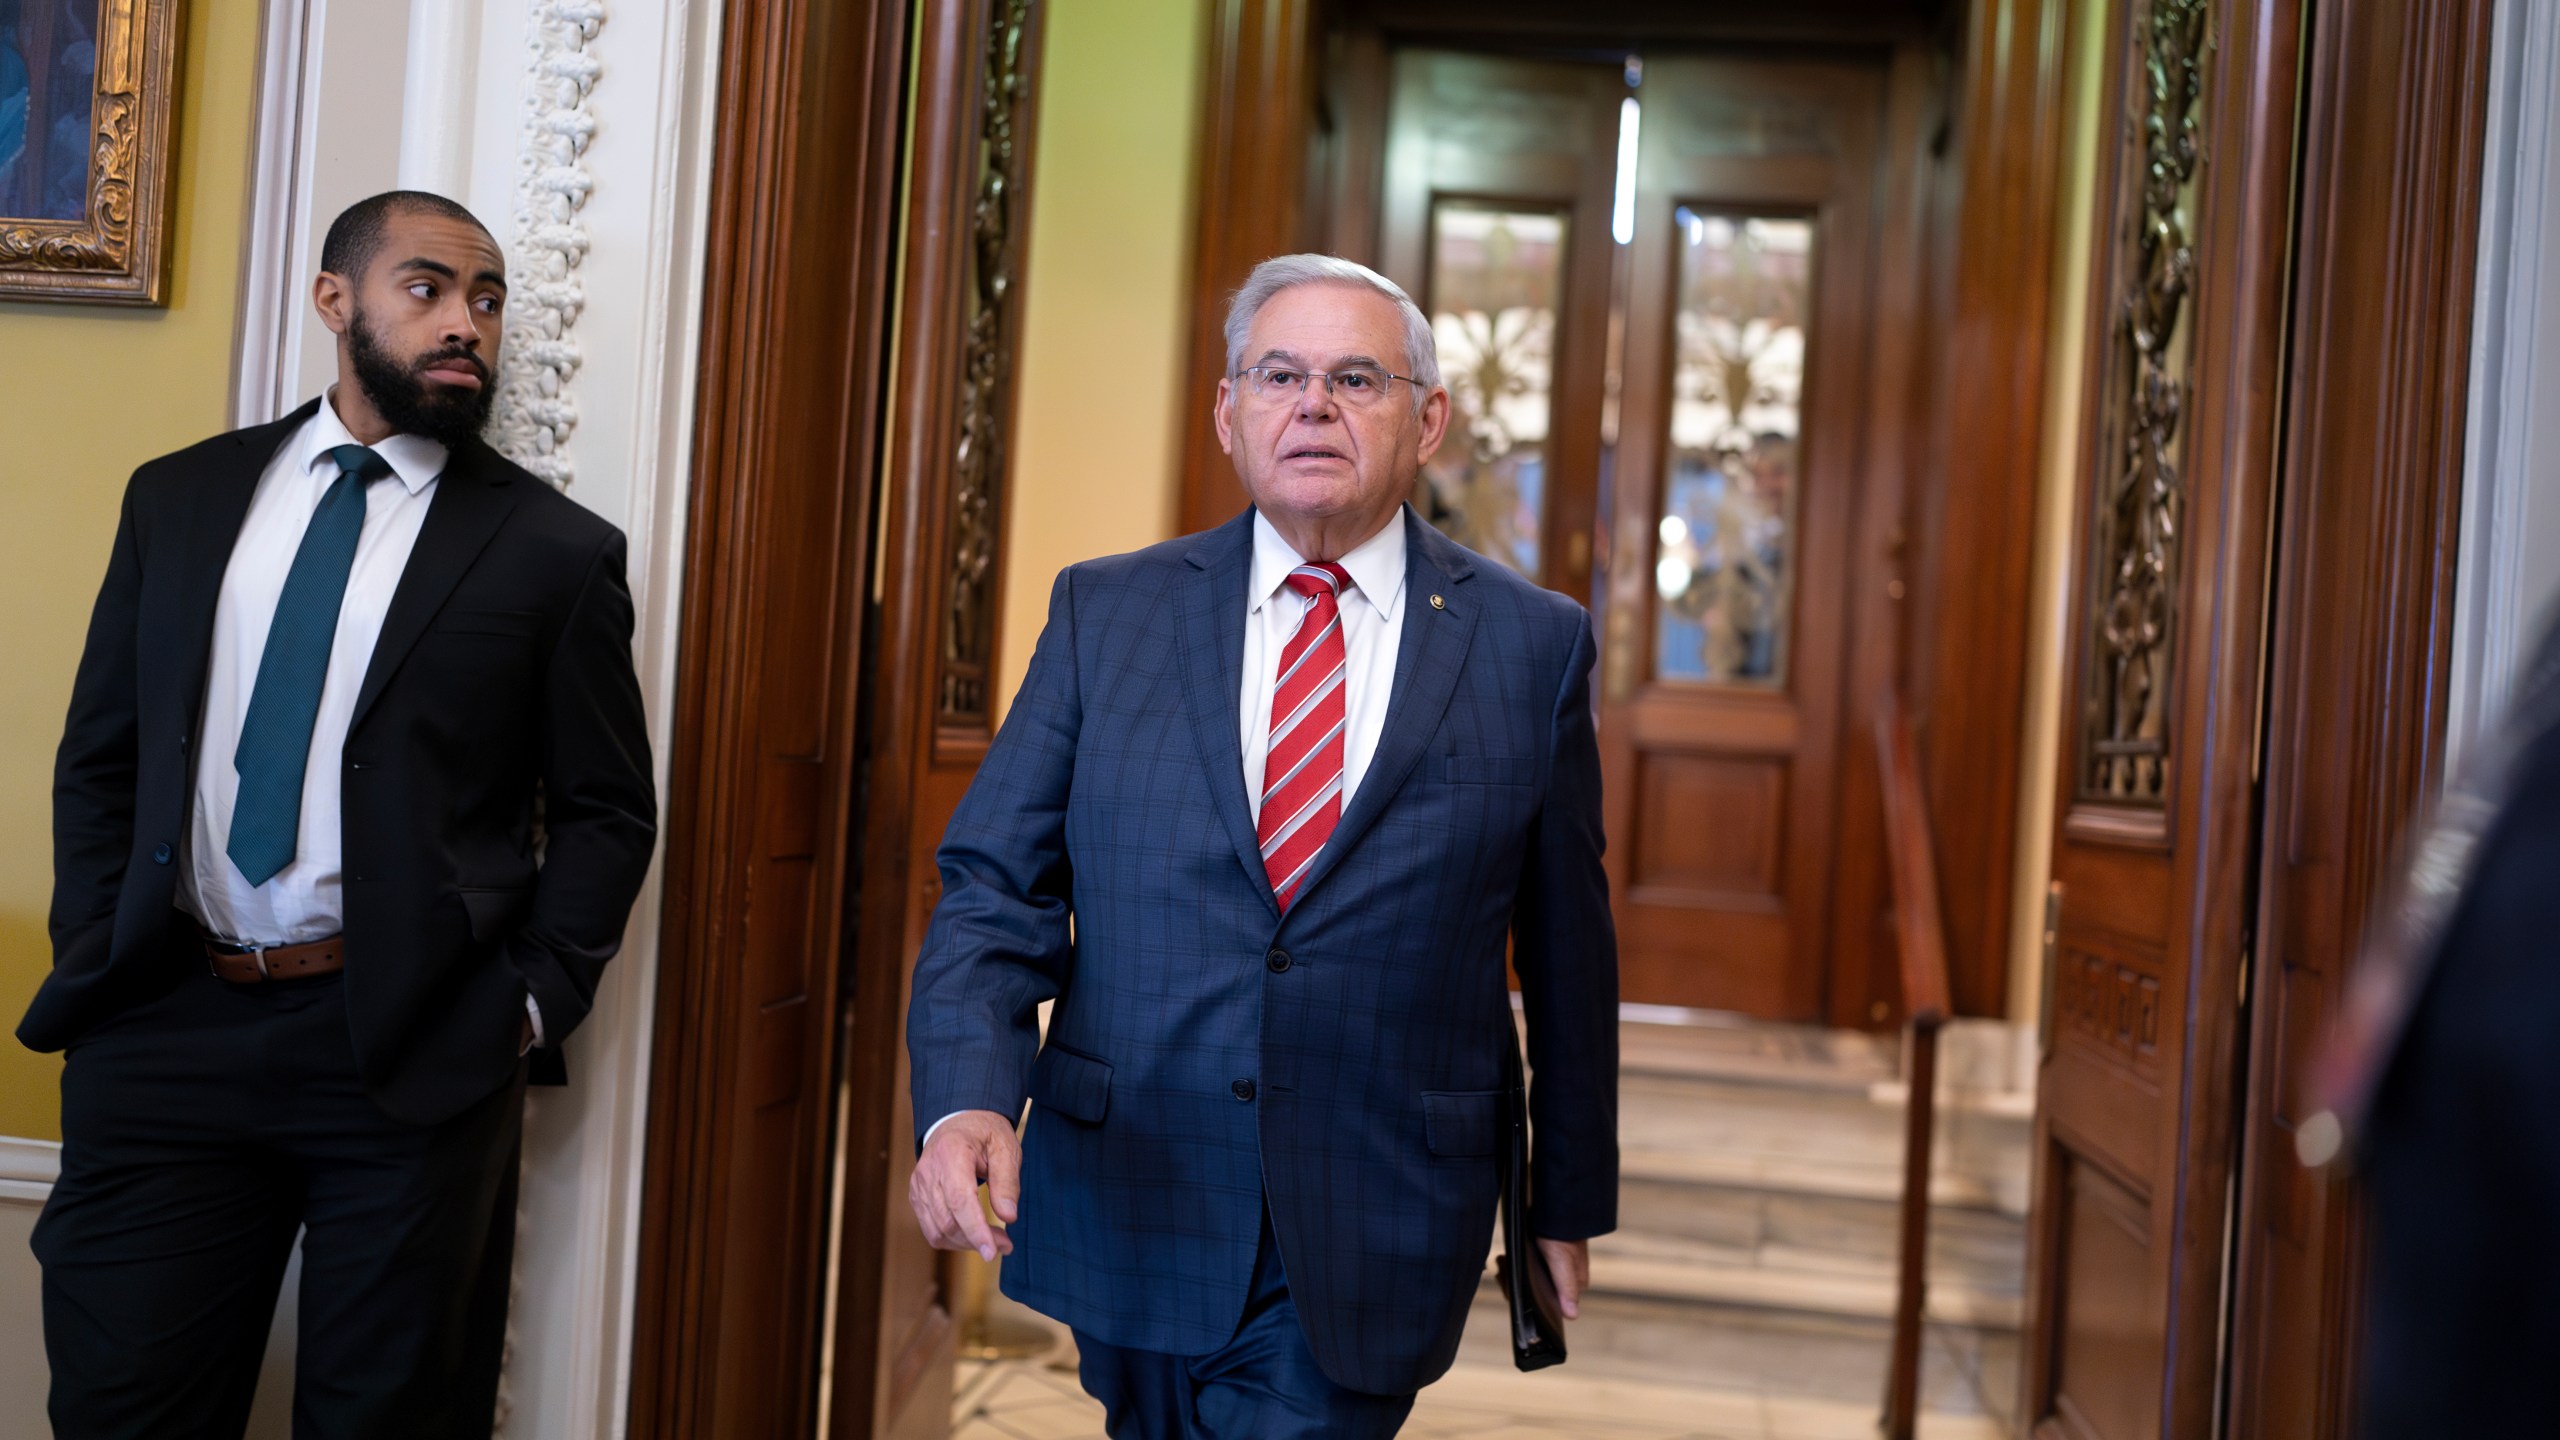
[1286, 272]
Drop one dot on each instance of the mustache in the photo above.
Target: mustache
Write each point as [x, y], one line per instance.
[425, 363]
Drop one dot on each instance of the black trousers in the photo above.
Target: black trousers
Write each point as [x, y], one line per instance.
[200, 1132]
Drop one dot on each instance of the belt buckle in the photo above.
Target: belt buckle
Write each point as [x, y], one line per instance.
[257, 955]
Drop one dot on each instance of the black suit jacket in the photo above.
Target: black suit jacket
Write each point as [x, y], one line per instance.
[503, 673]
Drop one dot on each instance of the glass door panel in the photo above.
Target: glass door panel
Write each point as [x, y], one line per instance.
[1497, 277]
[1724, 569]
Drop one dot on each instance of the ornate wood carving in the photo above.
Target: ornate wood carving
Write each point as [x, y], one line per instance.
[2112, 1004]
[116, 252]
[2125, 740]
[992, 321]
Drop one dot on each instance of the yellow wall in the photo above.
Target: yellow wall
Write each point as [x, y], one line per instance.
[86, 394]
[1111, 212]
[2056, 507]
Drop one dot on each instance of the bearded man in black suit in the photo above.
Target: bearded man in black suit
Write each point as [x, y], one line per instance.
[351, 807]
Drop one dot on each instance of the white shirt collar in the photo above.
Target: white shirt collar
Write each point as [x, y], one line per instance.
[414, 459]
[1376, 564]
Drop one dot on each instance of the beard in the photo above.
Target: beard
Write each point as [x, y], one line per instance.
[412, 404]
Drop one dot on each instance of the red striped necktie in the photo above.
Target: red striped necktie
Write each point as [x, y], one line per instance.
[1302, 768]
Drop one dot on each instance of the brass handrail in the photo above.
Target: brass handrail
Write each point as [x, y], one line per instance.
[1921, 938]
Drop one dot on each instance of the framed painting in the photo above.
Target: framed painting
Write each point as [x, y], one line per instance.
[87, 119]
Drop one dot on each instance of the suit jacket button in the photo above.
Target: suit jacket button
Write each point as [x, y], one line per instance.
[160, 854]
[1278, 960]
[1243, 1089]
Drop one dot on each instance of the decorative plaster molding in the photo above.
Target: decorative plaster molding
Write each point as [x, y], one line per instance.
[534, 413]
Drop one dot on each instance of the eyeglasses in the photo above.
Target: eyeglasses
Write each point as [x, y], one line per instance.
[1353, 386]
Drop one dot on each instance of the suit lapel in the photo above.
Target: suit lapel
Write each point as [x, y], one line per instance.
[219, 504]
[1430, 653]
[1213, 615]
[471, 501]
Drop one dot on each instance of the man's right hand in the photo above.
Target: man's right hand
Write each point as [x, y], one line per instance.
[970, 1146]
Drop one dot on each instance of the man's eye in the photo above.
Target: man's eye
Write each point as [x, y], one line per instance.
[1282, 378]
[488, 304]
[1355, 380]
[423, 290]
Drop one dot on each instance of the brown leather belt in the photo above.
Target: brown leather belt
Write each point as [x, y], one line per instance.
[249, 965]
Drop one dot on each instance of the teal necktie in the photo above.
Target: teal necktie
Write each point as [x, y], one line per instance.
[275, 737]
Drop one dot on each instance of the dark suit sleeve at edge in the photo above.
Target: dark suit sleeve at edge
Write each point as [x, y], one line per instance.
[599, 802]
[998, 944]
[1565, 948]
[93, 772]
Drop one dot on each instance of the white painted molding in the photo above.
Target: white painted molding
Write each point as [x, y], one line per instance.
[28, 1169]
[535, 412]
[649, 212]
[442, 73]
[270, 270]
[2508, 570]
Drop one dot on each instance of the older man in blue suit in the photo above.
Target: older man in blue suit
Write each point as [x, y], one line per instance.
[1269, 805]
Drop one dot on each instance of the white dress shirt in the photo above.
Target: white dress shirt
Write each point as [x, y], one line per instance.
[1372, 631]
[301, 902]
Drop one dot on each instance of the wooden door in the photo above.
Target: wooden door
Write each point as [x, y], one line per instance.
[1496, 220]
[2374, 461]
[928, 709]
[761, 790]
[1737, 489]
[841, 590]
[2157, 797]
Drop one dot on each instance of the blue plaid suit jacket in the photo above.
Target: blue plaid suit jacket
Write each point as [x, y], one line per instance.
[1105, 857]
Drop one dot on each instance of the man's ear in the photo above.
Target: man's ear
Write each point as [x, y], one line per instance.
[1435, 424]
[335, 300]
[1223, 410]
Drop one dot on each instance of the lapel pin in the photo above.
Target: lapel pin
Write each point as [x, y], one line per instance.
[1439, 604]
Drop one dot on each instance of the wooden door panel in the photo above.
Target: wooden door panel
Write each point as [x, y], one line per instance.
[1734, 861]
[1738, 479]
[2156, 786]
[2107, 1376]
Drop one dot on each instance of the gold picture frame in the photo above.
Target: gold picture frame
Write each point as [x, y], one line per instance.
[84, 204]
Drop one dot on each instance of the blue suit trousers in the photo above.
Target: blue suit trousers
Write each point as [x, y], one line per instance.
[1262, 1385]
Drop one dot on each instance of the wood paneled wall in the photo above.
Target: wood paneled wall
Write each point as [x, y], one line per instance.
[1972, 503]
